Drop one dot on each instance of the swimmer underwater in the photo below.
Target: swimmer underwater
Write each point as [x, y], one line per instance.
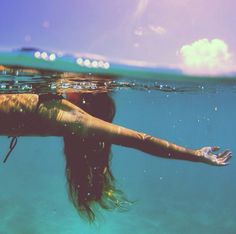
[84, 121]
[87, 142]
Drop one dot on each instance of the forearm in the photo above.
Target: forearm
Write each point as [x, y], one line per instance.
[73, 120]
[141, 141]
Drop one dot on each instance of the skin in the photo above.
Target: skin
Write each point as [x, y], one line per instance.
[20, 115]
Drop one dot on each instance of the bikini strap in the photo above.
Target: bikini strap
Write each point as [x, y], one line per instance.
[11, 147]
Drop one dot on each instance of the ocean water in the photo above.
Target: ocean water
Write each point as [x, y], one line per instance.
[172, 197]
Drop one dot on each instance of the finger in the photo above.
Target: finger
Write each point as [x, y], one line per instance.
[227, 157]
[225, 164]
[221, 163]
[224, 153]
[215, 148]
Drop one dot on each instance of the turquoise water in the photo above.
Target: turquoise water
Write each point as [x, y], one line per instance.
[172, 196]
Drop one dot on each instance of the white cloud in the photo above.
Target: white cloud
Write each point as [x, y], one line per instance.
[157, 29]
[141, 7]
[206, 57]
[139, 31]
[149, 30]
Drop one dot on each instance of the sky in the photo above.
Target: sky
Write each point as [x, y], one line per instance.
[198, 36]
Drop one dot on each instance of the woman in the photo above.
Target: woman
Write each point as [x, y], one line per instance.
[84, 120]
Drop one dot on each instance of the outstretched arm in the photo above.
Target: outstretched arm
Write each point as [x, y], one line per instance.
[78, 122]
[21, 114]
[152, 145]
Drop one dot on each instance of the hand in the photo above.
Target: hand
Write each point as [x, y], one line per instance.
[209, 157]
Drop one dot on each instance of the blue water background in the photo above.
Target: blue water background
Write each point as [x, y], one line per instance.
[173, 197]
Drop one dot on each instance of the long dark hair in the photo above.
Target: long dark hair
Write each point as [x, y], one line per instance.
[88, 174]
